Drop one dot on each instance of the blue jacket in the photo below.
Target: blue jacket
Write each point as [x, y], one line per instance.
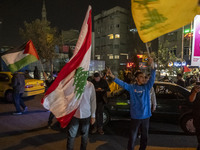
[139, 97]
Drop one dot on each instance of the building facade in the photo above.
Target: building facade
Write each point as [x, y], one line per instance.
[179, 42]
[113, 38]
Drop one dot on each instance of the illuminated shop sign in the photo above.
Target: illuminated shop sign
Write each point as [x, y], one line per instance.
[177, 64]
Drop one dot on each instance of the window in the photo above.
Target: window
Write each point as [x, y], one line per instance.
[117, 36]
[186, 50]
[4, 78]
[111, 36]
[116, 56]
[111, 26]
[98, 57]
[116, 46]
[110, 56]
[124, 54]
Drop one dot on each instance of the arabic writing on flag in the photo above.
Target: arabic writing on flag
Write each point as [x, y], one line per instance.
[154, 18]
[63, 96]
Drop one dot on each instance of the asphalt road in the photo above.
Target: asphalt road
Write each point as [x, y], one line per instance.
[29, 132]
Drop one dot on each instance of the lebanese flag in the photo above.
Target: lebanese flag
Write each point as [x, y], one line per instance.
[63, 96]
[20, 57]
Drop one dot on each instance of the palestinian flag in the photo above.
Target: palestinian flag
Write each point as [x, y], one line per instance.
[64, 95]
[20, 57]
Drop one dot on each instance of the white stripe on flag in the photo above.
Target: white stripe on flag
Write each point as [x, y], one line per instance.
[11, 58]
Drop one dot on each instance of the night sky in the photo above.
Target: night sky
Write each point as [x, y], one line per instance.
[63, 14]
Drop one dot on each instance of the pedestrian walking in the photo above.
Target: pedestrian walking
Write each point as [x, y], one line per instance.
[84, 116]
[101, 88]
[18, 84]
[195, 99]
[140, 108]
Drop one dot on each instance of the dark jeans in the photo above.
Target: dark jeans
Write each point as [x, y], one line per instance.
[99, 114]
[50, 120]
[73, 129]
[135, 124]
[197, 126]
[18, 101]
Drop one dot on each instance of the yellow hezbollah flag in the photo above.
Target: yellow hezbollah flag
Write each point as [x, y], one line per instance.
[154, 18]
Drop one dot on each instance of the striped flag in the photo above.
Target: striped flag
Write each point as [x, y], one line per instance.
[154, 18]
[63, 96]
[20, 57]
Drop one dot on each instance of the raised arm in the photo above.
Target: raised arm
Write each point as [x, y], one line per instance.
[118, 81]
[193, 94]
[153, 73]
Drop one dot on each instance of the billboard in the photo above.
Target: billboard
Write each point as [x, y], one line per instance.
[195, 60]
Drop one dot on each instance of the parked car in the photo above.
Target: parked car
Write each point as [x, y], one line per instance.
[32, 86]
[172, 105]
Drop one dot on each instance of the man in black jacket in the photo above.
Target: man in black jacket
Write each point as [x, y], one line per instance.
[101, 88]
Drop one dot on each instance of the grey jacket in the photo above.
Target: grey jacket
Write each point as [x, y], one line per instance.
[18, 83]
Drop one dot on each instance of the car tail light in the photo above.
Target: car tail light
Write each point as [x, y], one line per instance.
[28, 86]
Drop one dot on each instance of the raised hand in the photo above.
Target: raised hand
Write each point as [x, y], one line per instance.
[151, 62]
[109, 73]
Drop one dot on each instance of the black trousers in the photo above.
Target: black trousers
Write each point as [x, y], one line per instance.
[99, 114]
[144, 126]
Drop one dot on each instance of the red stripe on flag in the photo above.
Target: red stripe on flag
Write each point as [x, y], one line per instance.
[30, 49]
[74, 63]
[64, 121]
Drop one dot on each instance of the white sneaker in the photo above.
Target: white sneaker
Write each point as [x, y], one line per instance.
[17, 113]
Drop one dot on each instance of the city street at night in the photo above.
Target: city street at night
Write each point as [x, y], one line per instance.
[29, 131]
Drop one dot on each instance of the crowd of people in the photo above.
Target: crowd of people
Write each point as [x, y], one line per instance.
[89, 115]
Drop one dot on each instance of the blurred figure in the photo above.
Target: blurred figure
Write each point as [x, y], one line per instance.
[128, 78]
[166, 78]
[36, 73]
[101, 88]
[195, 99]
[18, 84]
[180, 80]
[194, 79]
[84, 116]
[27, 75]
[153, 101]
[188, 80]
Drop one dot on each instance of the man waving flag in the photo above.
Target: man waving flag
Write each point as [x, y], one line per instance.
[63, 96]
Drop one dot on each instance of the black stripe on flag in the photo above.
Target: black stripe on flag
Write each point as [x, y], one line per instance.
[13, 50]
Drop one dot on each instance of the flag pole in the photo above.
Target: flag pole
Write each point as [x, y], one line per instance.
[147, 47]
[44, 74]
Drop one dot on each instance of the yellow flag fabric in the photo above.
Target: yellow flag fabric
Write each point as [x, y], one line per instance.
[154, 18]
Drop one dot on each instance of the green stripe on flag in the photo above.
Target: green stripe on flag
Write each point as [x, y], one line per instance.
[22, 63]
